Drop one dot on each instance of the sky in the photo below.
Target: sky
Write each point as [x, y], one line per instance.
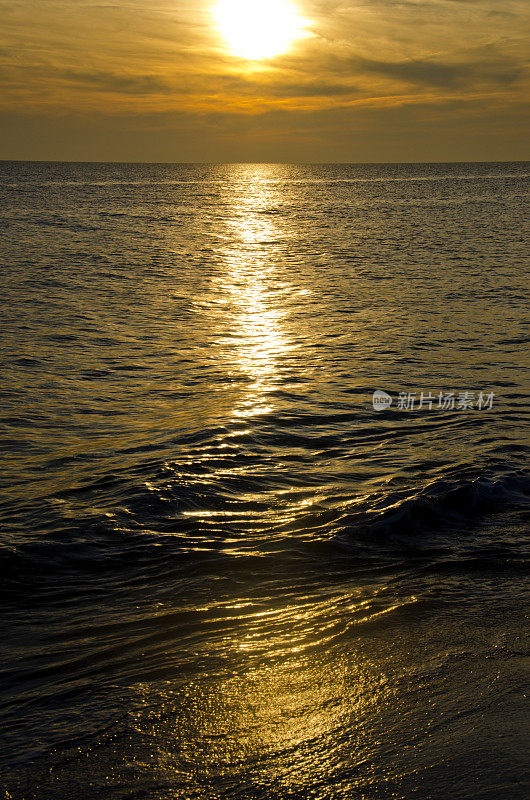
[373, 80]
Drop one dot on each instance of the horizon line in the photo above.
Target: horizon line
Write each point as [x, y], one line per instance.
[286, 163]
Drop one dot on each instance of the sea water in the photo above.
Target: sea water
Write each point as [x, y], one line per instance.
[228, 570]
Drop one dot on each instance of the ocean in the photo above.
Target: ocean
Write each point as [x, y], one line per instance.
[229, 569]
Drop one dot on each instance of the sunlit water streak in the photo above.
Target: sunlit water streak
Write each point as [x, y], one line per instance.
[225, 574]
[257, 296]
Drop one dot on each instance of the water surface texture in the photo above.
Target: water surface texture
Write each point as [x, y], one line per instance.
[225, 575]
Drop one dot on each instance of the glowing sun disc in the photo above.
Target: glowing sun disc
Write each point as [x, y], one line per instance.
[257, 29]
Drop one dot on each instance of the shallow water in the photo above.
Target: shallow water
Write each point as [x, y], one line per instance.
[225, 574]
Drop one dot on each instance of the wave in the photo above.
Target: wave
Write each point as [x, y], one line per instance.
[161, 529]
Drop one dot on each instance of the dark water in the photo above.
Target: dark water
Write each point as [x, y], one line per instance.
[225, 575]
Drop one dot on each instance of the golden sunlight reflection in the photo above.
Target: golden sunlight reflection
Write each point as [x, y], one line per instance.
[281, 715]
[257, 341]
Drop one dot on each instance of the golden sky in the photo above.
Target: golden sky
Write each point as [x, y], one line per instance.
[374, 80]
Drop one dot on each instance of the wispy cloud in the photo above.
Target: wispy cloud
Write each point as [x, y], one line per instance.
[119, 83]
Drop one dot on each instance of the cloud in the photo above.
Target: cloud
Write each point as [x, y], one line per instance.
[121, 84]
[444, 74]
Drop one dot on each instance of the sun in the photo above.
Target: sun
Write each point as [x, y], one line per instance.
[256, 29]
